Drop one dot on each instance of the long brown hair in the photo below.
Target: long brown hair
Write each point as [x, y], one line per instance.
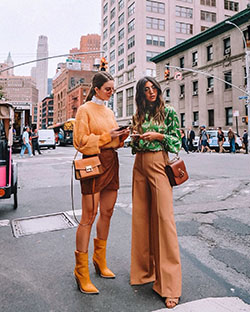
[98, 81]
[158, 110]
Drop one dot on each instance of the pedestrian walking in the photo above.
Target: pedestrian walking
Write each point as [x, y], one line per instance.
[190, 139]
[96, 132]
[155, 253]
[35, 142]
[221, 140]
[245, 140]
[184, 141]
[204, 139]
[26, 143]
[231, 139]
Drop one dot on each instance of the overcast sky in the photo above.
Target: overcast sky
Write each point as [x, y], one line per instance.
[62, 21]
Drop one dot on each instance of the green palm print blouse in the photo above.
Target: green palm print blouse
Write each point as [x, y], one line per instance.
[172, 137]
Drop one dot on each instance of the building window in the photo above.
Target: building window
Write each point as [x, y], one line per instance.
[119, 103]
[245, 76]
[183, 12]
[211, 118]
[150, 72]
[155, 40]
[156, 7]
[155, 23]
[131, 58]
[120, 80]
[209, 2]
[131, 75]
[112, 41]
[120, 5]
[131, 25]
[182, 91]
[105, 46]
[105, 34]
[121, 19]
[130, 101]
[196, 119]
[182, 62]
[182, 120]
[210, 83]
[121, 64]
[167, 98]
[112, 2]
[105, 8]
[131, 42]
[112, 13]
[231, 5]
[121, 34]
[195, 87]
[184, 28]
[229, 116]
[179, 40]
[195, 58]
[131, 9]
[121, 49]
[150, 54]
[227, 46]
[105, 21]
[112, 69]
[208, 16]
[210, 53]
[112, 27]
[112, 56]
[228, 78]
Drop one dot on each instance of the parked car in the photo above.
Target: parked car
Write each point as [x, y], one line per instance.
[213, 141]
[46, 138]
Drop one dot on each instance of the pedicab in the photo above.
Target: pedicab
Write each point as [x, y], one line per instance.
[8, 169]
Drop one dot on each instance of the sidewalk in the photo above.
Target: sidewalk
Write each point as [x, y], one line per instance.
[226, 304]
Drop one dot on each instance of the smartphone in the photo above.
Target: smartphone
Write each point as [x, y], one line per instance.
[122, 128]
[135, 135]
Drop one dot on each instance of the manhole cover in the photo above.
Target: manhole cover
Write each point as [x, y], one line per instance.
[43, 223]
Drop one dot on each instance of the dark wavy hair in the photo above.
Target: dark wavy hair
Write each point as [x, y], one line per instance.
[158, 110]
[98, 81]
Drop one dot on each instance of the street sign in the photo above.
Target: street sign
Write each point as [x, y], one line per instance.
[236, 113]
[243, 97]
[178, 76]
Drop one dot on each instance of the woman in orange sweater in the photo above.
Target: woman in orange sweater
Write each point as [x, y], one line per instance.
[96, 132]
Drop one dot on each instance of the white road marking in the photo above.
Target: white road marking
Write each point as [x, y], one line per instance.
[4, 222]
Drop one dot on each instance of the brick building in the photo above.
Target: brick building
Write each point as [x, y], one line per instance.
[69, 88]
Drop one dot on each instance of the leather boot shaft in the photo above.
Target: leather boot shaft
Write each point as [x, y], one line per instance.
[99, 259]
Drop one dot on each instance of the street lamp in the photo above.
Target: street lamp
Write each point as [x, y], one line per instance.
[247, 57]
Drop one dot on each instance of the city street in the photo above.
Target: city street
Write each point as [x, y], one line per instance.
[212, 211]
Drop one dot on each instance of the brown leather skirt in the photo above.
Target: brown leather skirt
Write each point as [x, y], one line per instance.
[109, 179]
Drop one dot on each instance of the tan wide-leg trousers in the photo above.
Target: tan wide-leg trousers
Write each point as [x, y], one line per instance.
[155, 251]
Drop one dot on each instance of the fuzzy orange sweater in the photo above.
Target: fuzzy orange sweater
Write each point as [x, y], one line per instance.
[92, 126]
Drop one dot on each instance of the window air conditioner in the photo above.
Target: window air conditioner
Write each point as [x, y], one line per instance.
[181, 95]
[195, 123]
[227, 51]
[209, 90]
[194, 63]
[195, 92]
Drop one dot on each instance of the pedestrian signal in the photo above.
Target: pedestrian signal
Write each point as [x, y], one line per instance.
[103, 64]
[166, 74]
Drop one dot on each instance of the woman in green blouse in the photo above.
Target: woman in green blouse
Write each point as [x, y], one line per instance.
[155, 253]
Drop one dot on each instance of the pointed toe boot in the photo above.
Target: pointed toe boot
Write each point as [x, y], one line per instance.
[81, 273]
[99, 259]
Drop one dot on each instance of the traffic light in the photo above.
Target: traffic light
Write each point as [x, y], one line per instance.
[166, 74]
[103, 64]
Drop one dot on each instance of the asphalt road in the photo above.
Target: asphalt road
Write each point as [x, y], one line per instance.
[212, 211]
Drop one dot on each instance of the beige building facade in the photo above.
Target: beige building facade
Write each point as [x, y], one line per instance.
[199, 97]
[135, 31]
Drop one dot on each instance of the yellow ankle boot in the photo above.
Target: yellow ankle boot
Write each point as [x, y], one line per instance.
[99, 259]
[81, 273]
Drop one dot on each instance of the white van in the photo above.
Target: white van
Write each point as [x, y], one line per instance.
[46, 138]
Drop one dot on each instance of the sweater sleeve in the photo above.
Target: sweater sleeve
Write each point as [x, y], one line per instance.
[84, 141]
